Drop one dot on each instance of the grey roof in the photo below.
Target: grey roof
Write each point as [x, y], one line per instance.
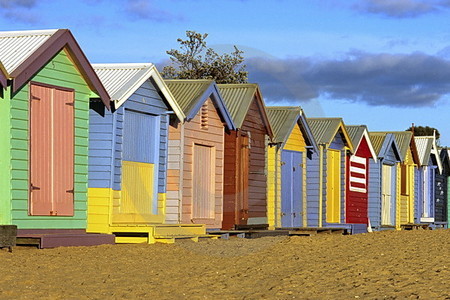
[284, 118]
[122, 80]
[238, 98]
[424, 145]
[403, 139]
[188, 91]
[356, 132]
[377, 139]
[325, 129]
[17, 46]
[190, 94]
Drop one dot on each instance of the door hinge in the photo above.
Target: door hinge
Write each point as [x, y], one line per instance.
[70, 191]
[70, 103]
[34, 188]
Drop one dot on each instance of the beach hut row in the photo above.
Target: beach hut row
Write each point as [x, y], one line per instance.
[104, 153]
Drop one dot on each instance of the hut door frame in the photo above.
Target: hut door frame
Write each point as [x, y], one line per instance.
[386, 196]
[291, 188]
[51, 150]
[244, 169]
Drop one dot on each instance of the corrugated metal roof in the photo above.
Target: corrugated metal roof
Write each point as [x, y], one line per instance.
[355, 132]
[238, 98]
[404, 140]
[122, 80]
[282, 120]
[424, 145]
[187, 92]
[377, 139]
[17, 46]
[324, 130]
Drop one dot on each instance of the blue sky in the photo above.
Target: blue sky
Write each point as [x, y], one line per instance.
[383, 63]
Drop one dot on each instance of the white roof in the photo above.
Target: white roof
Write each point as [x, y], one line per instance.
[426, 145]
[122, 80]
[17, 46]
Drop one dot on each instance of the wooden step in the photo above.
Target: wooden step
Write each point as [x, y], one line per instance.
[157, 233]
[53, 240]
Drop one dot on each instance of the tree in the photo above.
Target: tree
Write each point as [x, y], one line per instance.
[424, 131]
[195, 60]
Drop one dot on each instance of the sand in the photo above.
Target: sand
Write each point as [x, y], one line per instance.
[380, 265]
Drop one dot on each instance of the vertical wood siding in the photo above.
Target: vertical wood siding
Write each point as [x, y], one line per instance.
[182, 139]
[203, 182]
[257, 180]
[333, 202]
[291, 188]
[60, 71]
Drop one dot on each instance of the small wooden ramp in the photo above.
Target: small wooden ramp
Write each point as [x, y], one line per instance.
[158, 233]
[247, 234]
[310, 231]
[415, 226]
[52, 238]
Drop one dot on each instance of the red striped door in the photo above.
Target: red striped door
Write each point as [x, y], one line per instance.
[51, 151]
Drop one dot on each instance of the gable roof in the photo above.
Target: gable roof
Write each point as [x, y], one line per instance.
[404, 141]
[444, 155]
[24, 53]
[284, 118]
[238, 99]
[190, 94]
[426, 146]
[325, 129]
[122, 80]
[356, 134]
[382, 142]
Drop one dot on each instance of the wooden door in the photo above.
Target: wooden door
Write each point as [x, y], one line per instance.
[51, 150]
[333, 202]
[291, 188]
[139, 164]
[386, 196]
[203, 183]
[244, 168]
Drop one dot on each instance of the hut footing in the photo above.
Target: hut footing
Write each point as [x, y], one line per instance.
[414, 226]
[310, 231]
[158, 233]
[52, 238]
[248, 234]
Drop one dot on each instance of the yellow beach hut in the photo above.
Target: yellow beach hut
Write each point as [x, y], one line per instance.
[288, 156]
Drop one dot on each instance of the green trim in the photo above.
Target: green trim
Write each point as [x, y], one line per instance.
[5, 162]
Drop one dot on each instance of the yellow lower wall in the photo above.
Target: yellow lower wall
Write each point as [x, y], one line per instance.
[103, 211]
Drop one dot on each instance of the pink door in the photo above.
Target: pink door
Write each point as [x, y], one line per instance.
[51, 151]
